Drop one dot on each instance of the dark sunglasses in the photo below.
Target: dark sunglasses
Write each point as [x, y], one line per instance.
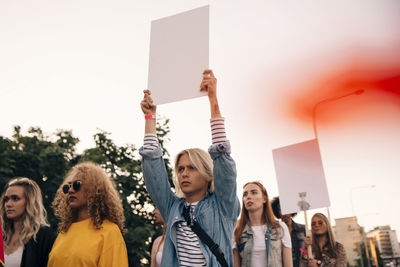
[75, 185]
[315, 223]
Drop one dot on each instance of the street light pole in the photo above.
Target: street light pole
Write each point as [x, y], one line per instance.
[314, 117]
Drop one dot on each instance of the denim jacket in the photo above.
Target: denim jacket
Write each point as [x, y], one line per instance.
[274, 248]
[216, 213]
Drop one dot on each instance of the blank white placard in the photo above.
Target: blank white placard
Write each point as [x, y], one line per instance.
[179, 53]
[299, 169]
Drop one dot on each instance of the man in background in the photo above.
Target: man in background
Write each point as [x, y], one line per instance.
[297, 231]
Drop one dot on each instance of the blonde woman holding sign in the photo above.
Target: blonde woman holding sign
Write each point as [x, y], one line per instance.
[200, 219]
[326, 251]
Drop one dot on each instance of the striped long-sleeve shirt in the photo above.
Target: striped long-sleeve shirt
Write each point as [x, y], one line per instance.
[218, 134]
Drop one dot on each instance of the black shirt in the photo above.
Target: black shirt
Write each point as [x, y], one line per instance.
[36, 253]
[297, 237]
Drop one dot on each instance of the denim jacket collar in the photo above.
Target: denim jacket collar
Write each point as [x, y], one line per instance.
[247, 230]
[217, 212]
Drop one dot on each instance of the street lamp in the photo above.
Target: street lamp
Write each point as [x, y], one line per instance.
[356, 92]
[314, 116]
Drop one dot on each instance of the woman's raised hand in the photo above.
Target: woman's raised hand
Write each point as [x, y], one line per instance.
[209, 84]
[147, 104]
[307, 241]
[312, 263]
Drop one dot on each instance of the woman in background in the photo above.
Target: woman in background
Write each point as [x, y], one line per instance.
[326, 251]
[92, 221]
[260, 240]
[27, 237]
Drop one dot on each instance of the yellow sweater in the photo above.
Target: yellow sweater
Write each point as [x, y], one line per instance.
[85, 246]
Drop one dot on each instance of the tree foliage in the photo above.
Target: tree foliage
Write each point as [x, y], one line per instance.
[38, 157]
[47, 159]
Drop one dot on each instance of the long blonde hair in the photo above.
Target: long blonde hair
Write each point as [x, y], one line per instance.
[33, 217]
[330, 245]
[267, 215]
[202, 161]
[103, 200]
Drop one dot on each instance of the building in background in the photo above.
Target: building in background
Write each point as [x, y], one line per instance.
[395, 244]
[385, 240]
[349, 233]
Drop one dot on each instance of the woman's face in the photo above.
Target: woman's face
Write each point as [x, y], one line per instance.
[15, 202]
[318, 226]
[76, 193]
[253, 198]
[191, 181]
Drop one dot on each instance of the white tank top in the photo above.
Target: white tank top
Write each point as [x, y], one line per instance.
[158, 258]
[14, 259]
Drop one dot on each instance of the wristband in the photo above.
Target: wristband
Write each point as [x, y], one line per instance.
[149, 117]
[303, 251]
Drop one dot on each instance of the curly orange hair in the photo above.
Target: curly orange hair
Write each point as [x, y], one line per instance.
[103, 200]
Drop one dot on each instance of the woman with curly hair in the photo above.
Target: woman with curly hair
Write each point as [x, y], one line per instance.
[326, 251]
[92, 220]
[260, 240]
[27, 237]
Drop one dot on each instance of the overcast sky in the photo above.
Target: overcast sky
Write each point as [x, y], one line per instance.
[82, 65]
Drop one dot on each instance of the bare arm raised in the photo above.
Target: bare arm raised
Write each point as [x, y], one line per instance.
[209, 85]
[149, 110]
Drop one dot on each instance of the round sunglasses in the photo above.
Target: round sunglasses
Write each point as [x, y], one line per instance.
[75, 185]
[314, 223]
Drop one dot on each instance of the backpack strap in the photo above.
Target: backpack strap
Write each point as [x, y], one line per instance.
[204, 237]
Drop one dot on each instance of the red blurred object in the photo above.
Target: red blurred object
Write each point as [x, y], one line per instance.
[1, 248]
[351, 79]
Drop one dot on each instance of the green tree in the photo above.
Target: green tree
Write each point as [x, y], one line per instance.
[124, 166]
[47, 160]
[363, 256]
[39, 157]
[378, 255]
